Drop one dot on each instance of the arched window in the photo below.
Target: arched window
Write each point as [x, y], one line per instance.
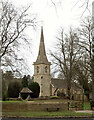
[37, 69]
[46, 69]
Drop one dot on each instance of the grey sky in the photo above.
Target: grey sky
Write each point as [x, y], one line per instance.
[65, 15]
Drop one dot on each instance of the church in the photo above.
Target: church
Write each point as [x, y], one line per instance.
[48, 85]
[42, 69]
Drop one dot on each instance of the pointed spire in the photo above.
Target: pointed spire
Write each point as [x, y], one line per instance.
[42, 58]
[42, 37]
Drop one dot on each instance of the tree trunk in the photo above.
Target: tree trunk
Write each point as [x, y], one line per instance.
[92, 73]
[0, 87]
[93, 86]
[68, 90]
[93, 91]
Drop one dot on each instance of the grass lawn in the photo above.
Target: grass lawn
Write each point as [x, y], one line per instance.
[39, 114]
[13, 101]
[87, 106]
[40, 101]
[52, 100]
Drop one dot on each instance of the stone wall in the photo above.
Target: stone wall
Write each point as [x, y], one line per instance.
[28, 106]
[79, 97]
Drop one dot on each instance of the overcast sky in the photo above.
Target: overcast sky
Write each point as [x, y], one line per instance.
[65, 14]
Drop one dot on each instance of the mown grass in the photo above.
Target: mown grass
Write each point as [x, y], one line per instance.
[87, 106]
[39, 114]
[12, 101]
[49, 100]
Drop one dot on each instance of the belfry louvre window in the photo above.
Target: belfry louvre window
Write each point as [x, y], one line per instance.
[46, 69]
[37, 69]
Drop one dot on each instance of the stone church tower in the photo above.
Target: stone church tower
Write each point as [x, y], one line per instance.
[42, 69]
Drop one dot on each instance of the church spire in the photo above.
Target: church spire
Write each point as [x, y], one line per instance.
[42, 58]
[42, 37]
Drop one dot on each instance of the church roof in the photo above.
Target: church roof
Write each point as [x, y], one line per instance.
[58, 83]
[62, 84]
[42, 58]
[26, 90]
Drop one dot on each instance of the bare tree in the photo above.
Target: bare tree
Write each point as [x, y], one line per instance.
[85, 35]
[13, 24]
[81, 4]
[67, 56]
[86, 46]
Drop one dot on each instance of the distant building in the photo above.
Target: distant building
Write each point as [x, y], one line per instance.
[48, 85]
